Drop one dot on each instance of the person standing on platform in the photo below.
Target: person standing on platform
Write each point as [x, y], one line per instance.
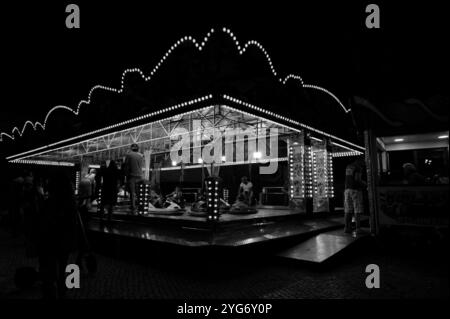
[85, 190]
[353, 194]
[110, 188]
[134, 164]
[246, 189]
[92, 176]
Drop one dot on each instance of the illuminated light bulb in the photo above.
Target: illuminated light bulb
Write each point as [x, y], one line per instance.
[257, 155]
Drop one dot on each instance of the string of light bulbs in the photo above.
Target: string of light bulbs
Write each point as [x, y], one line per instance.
[199, 46]
[45, 148]
[290, 120]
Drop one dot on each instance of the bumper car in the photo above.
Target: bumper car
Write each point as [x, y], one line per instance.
[178, 201]
[224, 206]
[242, 207]
[198, 208]
[167, 208]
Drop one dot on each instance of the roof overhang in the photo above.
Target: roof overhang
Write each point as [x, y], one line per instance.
[183, 108]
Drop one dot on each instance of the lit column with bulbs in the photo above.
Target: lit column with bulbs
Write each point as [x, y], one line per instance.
[143, 198]
[77, 181]
[225, 191]
[213, 190]
[296, 171]
[226, 194]
[291, 173]
[146, 197]
[140, 199]
[320, 175]
[99, 202]
[329, 175]
[309, 175]
[314, 172]
[256, 180]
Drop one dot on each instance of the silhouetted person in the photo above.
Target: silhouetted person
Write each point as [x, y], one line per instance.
[412, 177]
[57, 235]
[110, 187]
[85, 195]
[134, 164]
[353, 194]
[15, 209]
[33, 200]
[98, 179]
[92, 176]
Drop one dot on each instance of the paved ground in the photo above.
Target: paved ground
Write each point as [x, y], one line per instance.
[412, 274]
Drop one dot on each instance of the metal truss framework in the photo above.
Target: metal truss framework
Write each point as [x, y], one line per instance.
[159, 138]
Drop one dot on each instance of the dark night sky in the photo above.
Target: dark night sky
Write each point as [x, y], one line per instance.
[44, 64]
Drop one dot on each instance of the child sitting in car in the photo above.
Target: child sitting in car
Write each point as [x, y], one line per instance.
[241, 202]
[156, 199]
[176, 196]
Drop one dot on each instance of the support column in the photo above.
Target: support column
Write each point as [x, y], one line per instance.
[371, 167]
[320, 176]
[147, 161]
[77, 178]
[143, 198]
[308, 172]
[330, 175]
[297, 186]
[213, 191]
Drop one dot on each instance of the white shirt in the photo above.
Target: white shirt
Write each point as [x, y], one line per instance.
[246, 187]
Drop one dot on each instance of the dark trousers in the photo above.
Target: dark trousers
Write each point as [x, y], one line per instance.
[109, 210]
[133, 183]
[52, 268]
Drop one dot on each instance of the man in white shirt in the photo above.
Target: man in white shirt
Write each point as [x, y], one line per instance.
[246, 189]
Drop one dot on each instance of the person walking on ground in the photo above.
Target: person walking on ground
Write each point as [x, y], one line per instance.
[134, 164]
[353, 194]
[110, 188]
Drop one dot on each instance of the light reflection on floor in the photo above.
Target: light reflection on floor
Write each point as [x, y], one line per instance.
[238, 236]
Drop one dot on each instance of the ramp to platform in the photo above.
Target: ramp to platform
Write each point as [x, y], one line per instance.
[320, 248]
